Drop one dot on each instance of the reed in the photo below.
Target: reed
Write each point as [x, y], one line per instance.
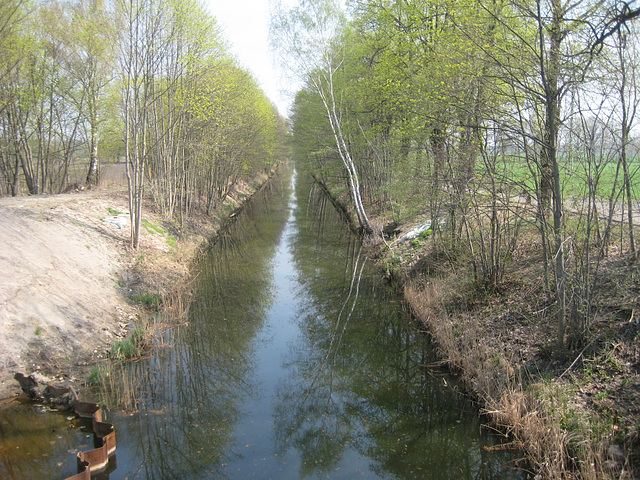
[560, 441]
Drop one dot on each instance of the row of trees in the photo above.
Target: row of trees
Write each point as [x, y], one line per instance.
[488, 115]
[149, 82]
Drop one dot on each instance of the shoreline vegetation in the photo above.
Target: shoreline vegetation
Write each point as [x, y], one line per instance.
[572, 412]
[507, 132]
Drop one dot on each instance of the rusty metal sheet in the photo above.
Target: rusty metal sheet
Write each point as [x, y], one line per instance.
[91, 461]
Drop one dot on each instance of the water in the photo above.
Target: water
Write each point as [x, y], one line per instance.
[297, 362]
[36, 440]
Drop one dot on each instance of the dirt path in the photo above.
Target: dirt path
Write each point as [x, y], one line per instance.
[60, 301]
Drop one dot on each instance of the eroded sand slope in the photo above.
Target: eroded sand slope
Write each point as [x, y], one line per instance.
[60, 306]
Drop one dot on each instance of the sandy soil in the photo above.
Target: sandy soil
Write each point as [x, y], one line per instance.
[67, 276]
[60, 304]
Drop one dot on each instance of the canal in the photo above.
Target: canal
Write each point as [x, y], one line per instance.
[296, 361]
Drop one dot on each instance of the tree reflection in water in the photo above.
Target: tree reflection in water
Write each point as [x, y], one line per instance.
[193, 390]
[358, 386]
[297, 362]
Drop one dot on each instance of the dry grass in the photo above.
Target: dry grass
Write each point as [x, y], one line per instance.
[460, 342]
[523, 418]
[563, 438]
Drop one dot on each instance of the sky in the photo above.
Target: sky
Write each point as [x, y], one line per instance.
[245, 24]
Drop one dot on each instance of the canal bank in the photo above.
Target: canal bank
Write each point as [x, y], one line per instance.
[470, 353]
[72, 287]
[297, 361]
[574, 414]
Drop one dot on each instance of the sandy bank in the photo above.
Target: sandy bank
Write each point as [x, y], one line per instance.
[67, 275]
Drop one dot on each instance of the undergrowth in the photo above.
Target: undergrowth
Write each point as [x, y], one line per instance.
[130, 347]
[550, 417]
[151, 300]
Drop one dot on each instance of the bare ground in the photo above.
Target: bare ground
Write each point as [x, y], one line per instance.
[67, 275]
[60, 305]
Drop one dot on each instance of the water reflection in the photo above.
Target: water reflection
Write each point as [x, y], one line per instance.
[357, 395]
[296, 362]
[35, 441]
[195, 389]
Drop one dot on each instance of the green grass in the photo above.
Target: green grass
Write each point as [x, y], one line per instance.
[130, 347]
[138, 334]
[97, 375]
[147, 299]
[38, 331]
[151, 228]
[123, 350]
[114, 212]
[573, 176]
[171, 241]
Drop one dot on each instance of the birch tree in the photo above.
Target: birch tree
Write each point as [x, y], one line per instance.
[89, 63]
[305, 36]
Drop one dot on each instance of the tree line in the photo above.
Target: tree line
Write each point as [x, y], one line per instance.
[490, 117]
[150, 83]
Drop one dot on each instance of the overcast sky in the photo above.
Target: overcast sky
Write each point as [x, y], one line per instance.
[245, 24]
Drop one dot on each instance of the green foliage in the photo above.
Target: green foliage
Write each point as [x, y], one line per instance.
[131, 346]
[147, 299]
[123, 350]
[69, 99]
[38, 331]
[171, 241]
[114, 212]
[98, 375]
[152, 228]
[138, 335]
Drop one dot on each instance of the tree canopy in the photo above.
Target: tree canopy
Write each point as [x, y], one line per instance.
[148, 83]
[483, 116]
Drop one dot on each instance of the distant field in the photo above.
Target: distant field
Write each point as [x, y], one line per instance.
[112, 175]
[574, 177]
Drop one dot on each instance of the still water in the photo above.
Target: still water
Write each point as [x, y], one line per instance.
[297, 361]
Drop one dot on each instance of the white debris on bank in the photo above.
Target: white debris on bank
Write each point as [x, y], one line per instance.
[423, 227]
[119, 220]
